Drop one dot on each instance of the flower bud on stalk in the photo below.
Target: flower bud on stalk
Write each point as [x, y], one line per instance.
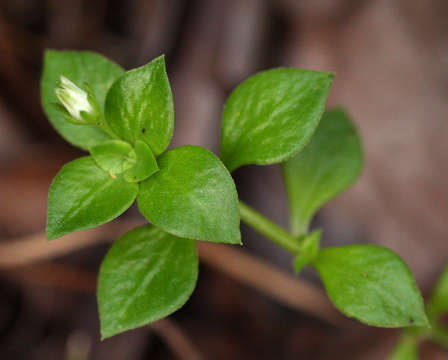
[79, 106]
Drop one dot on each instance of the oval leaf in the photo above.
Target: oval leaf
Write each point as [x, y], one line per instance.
[79, 67]
[271, 116]
[372, 284]
[146, 275]
[140, 106]
[192, 196]
[114, 156]
[329, 164]
[83, 196]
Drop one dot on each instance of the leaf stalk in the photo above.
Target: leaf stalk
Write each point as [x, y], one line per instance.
[269, 229]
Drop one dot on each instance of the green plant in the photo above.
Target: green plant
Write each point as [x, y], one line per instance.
[437, 305]
[125, 121]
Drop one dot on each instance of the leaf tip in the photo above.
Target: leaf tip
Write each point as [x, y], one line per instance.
[50, 234]
[159, 60]
[50, 237]
[422, 321]
[237, 239]
[104, 334]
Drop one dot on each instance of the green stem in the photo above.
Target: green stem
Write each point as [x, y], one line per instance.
[269, 229]
[300, 228]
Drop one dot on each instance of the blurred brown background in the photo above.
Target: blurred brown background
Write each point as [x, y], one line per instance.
[391, 61]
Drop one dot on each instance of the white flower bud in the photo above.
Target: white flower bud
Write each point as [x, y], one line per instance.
[75, 100]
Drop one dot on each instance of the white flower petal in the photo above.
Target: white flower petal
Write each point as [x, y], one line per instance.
[74, 99]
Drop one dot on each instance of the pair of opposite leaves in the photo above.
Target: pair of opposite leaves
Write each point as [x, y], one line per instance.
[193, 193]
[267, 119]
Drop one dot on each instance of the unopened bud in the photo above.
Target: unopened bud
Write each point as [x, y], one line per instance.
[77, 102]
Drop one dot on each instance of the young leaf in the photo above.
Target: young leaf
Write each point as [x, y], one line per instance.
[329, 164]
[372, 284]
[140, 106]
[406, 349]
[192, 196]
[438, 303]
[146, 275]
[309, 250]
[83, 196]
[79, 67]
[146, 163]
[114, 156]
[272, 115]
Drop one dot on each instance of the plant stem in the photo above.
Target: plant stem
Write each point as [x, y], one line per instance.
[269, 229]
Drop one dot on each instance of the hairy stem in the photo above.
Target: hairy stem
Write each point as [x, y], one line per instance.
[269, 229]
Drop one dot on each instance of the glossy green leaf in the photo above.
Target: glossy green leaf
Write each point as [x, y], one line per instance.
[146, 275]
[330, 163]
[192, 196]
[438, 303]
[272, 115]
[114, 156]
[371, 284]
[146, 163]
[140, 106]
[406, 349]
[79, 67]
[83, 196]
[309, 250]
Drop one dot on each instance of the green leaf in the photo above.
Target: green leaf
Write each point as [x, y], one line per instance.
[406, 349]
[329, 164]
[192, 196]
[371, 284]
[438, 303]
[309, 250]
[146, 163]
[79, 67]
[146, 275]
[272, 115]
[139, 106]
[83, 196]
[114, 156]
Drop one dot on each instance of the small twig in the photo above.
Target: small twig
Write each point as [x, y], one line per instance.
[244, 268]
